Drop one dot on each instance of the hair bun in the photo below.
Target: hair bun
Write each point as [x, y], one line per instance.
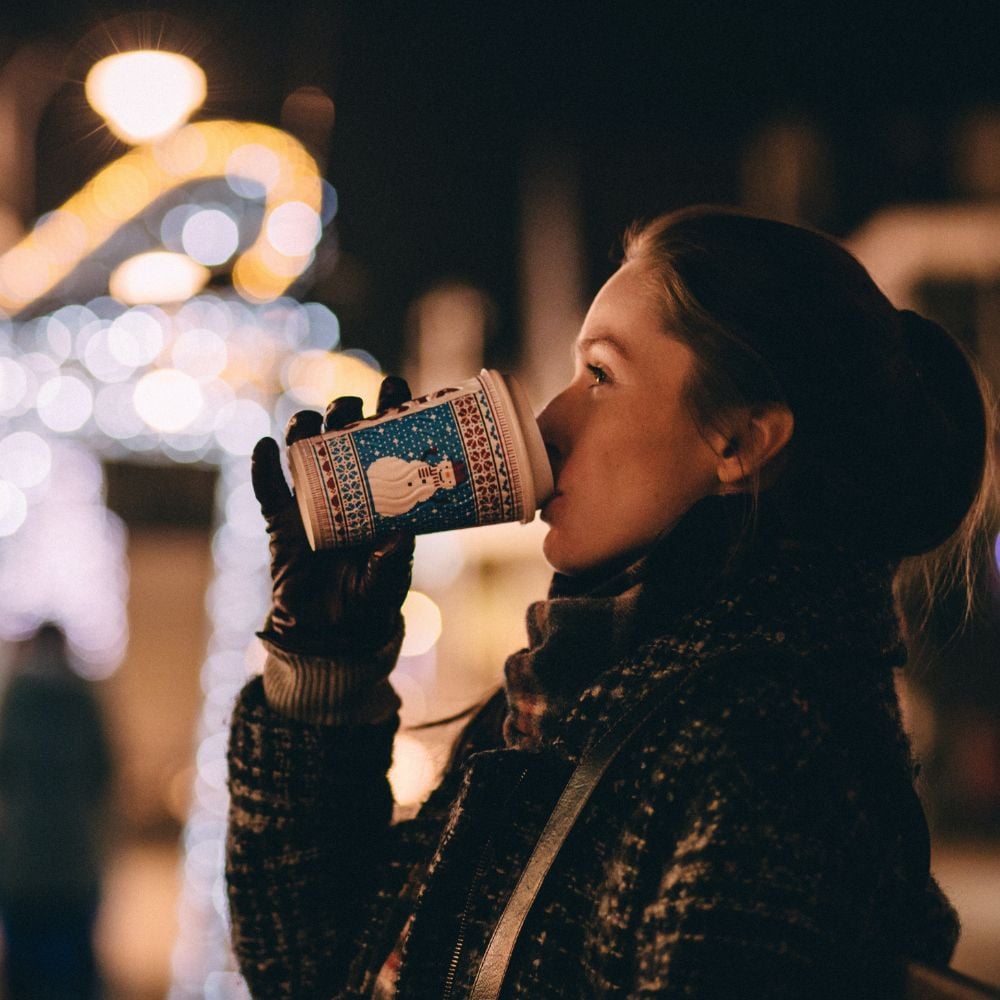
[948, 436]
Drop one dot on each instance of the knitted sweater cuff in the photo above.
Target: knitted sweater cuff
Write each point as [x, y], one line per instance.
[348, 689]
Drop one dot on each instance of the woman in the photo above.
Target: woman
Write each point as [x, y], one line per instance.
[752, 441]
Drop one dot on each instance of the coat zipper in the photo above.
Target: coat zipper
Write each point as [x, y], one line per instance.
[456, 955]
[478, 873]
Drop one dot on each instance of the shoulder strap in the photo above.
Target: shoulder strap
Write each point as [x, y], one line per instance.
[579, 788]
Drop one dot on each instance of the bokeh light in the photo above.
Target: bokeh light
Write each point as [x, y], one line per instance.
[136, 337]
[256, 160]
[158, 276]
[168, 400]
[146, 94]
[64, 403]
[115, 413]
[423, 624]
[13, 384]
[25, 458]
[412, 773]
[210, 236]
[240, 425]
[200, 352]
[316, 377]
[13, 508]
[65, 562]
[294, 228]
[252, 170]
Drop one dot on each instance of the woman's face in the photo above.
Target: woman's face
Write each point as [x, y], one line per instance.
[627, 457]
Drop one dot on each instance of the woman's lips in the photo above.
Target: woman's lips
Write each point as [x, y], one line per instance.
[546, 507]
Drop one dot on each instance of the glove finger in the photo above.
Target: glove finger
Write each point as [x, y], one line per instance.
[267, 479]
[390, 566]
[342, 411]
[305, 423]
[393, 391]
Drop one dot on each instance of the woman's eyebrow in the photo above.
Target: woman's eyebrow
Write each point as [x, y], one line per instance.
[603, 339]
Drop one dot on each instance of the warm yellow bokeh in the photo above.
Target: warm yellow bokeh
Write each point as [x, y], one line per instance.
[256, 160]
[316, 377]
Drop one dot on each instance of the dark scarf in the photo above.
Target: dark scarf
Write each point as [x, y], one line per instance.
[720, 580]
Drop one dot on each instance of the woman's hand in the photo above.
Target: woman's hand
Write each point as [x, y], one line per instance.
[322, 601]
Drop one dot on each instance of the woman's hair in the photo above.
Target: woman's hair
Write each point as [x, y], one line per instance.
[891, 446]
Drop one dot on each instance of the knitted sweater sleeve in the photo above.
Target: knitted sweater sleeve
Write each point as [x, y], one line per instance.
[310, 808]
[315, 870]
[774, 886]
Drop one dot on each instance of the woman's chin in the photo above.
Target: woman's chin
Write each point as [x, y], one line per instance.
[564, 557]
[554, 553]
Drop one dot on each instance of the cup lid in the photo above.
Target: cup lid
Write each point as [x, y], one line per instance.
[537, 473]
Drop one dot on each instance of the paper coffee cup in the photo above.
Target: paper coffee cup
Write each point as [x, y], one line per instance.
[455, 458]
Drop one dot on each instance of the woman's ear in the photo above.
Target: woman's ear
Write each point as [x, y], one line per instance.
[755, 438]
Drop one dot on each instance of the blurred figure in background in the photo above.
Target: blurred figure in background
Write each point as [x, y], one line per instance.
[55, 772]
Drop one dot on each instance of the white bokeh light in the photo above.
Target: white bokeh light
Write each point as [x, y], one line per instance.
[64, 403]
[240, 425]
[147, 94]
[158, 276]
[102, 362]
[423, 624]
[168, 400]
[136, 337]
[25, 458]
[13, 508]
[324, 326]
[243, 511]
[66, 563]
[13, 384]
[294, 229]
[210, 236]
[59, 338]
[412, 773]
[115, 414]
[201, 353]
[172, 226]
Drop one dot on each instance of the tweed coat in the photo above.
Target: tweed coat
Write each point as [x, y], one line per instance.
[760, 837]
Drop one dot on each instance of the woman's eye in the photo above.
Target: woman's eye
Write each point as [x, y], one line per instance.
[600, 375]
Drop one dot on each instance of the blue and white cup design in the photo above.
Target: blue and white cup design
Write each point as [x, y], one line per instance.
[455, 458]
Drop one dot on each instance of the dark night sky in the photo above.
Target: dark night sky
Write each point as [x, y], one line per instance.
[438, 102]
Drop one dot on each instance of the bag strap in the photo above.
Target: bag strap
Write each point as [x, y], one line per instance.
[581, 785]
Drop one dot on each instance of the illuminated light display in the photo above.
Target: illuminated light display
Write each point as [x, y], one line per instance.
[63, 552]
[198, 380]
[277, 169]
[145, 94]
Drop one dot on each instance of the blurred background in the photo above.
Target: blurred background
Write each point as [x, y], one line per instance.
[212, 217]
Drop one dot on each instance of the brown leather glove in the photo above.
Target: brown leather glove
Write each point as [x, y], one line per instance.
[335, 599]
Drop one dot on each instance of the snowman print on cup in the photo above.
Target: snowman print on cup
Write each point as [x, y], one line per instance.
[397, 485]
